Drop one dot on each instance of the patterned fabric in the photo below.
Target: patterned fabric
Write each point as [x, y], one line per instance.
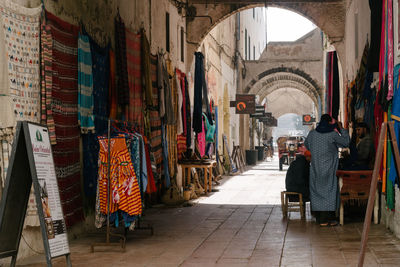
[155, 120]
[135, 110]
[124, 194]
[21, 37]
[324, 192]
[46, 43]
[120, 52]
[85, 85]
[146, 68]
[7, 118]
[181, 142]
[64, 96]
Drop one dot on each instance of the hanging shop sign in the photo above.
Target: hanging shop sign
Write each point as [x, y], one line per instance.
[245, 104]
[269, 121]
[31, 161]
[308, 120]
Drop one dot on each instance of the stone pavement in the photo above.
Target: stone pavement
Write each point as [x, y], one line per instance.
[240, 225]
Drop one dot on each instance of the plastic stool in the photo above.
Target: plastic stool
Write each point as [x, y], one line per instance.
[288, 205]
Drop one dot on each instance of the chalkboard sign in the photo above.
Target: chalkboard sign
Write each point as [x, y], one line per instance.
[31, 161]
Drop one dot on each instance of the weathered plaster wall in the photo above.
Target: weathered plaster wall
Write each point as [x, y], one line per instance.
[357, 32]
[256, 30]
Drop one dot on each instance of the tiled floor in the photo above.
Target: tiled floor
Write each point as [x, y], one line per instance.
[240, 225]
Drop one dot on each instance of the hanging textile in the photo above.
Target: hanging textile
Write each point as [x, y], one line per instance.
[200, 93]
[112, 94]
[64, 96]
[85, 85]
[155, 120]
[179, 102]
[188, 114]
[124, 194]
[145, 46]
[20, 27]
[101, 83]
[335, 87]
[133, 58]
[122, 74]
[47, 81]
[201, 141]
[90, 146]
[395, 116]
[7, 117]
[376, 22]
[390, 54]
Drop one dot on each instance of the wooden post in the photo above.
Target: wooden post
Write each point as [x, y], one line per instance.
[371, 199]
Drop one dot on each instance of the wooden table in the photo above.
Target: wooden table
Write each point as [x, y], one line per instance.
[358, 185]
[207, 168]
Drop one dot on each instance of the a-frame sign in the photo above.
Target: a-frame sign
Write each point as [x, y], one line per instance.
[31, 161]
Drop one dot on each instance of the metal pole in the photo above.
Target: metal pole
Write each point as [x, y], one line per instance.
[108, 181]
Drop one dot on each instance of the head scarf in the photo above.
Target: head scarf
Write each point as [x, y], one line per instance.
[324, 125]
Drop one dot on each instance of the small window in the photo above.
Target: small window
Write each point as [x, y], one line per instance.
[167, 31]
[254, 13]
[254, 52]
[182, 45]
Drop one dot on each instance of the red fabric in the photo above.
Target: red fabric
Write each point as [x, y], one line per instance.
[64, 96]
[151, 185]
[135, 109]
[112, 94]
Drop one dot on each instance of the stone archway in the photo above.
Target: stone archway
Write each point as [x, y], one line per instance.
[204, 15]
[277, 78]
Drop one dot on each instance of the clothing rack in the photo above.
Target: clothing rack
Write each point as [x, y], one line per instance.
[122, 241]
[108, 231]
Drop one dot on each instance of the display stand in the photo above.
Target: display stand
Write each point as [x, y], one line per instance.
[374, 182]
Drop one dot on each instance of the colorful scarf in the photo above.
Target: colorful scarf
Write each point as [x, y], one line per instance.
[85, 85]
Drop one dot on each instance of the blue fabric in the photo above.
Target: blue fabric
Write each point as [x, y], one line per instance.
[101, 72]
[85, 85]
[144, 166]
[90, 146]
[165, 157]
[395, 111]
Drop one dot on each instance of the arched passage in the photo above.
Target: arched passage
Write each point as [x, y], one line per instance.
[275, 79]
[204, 15]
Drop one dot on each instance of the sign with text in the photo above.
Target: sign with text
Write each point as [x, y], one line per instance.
[308, 120]
[245, 104]
[31, 161]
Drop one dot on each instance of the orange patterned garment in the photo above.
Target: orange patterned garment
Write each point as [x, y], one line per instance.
[124, 191]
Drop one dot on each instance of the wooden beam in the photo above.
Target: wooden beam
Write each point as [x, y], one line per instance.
[254, 2]
[371, 199]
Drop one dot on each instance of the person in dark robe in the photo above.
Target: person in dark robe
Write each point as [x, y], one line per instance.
[298, 175]
[323, 143]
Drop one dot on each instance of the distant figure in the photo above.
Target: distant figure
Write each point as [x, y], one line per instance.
[323, 143]
[298, 174]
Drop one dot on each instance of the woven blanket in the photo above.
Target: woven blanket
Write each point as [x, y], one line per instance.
[85, 85]
[21, 37]
[135, 110]
[155, 120]
[47, 81]
[64, 106]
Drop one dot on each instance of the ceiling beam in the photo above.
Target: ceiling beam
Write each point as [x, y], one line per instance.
[253, 2]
